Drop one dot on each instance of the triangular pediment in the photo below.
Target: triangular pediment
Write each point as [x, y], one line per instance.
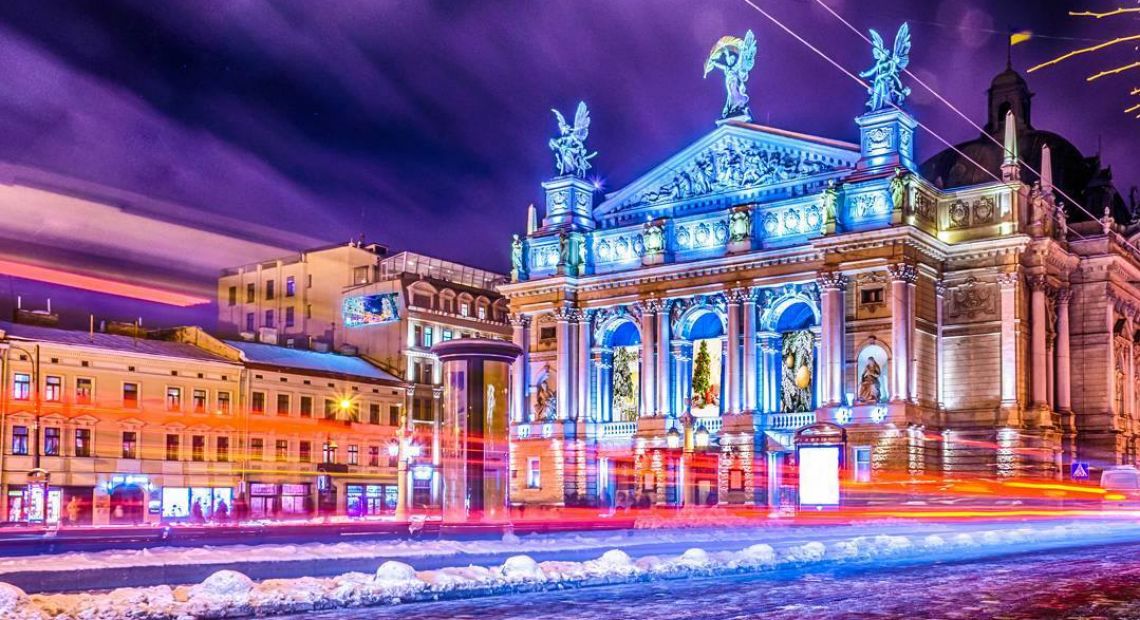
[734, 162]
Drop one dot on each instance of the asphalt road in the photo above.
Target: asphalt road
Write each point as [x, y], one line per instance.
[1085, 583]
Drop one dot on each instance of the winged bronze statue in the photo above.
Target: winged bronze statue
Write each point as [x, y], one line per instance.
[886, 87]
[570, 153]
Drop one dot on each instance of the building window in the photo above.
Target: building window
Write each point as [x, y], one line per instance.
[283, 404]
[269, 319]
[233, 296]
[269, 289]
[448, 335]
[223, 449]
[533, 473]
[51, 441]
[308, 311]
[198, 448]
[173, 399]
[130, 445]
[131, 395]
[53, 389]
[290, 286]
[282, 450]
[250, 293]
[393, 415]
[373, 413]
[374, 456]
[418, 336]
[250, 319]
[482, 312]
[422, 301]
[353, 454]
[19, 440]
[464, 309]
[257, 402]
[328, 452]
[305, 451]
[306, 406]
[224, 403]
[545, 334]
[21, 386]
[84, 391]
[330, 409]
[199, 403]
[427, 337]
[256, 448]
[172, 447]
[863, 464]
[82, 442]
[289, 317]
[360, 275]
[871, 296]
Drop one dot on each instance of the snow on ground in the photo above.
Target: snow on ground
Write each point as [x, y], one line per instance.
[510, 543]
[231, 594]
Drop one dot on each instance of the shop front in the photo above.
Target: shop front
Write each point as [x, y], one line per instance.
[50, 505]
[279, 501]
[366, 500]
[197, 504]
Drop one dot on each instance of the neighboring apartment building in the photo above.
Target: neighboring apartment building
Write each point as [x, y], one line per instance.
[123, 429]
[389, 310]
[295, 296]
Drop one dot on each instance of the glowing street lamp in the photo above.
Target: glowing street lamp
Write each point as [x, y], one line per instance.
[673, 438]
[701, 437]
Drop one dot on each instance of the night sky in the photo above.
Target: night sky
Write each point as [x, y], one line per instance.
[425, 124]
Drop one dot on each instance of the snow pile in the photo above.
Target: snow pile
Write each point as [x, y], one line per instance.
[15, 605]
[231, 594]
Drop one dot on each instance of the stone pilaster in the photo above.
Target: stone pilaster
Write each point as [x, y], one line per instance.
[902, 308]
[831, 287]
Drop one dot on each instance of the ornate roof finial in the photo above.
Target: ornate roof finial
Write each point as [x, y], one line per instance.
[1046, 169]
[735, 57]
[1010, 170]
[570, 154]
[886, 87]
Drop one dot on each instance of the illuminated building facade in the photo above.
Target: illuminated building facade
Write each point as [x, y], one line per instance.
[765, 299]
[138, 428]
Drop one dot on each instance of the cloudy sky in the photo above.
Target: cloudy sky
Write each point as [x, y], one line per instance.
[425, 124]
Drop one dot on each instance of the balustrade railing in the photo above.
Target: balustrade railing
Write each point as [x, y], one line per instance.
[619, 429]
[791, 420]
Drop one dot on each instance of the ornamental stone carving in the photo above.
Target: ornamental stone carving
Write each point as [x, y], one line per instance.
[905, 272]
[831, 280]
[972, 300]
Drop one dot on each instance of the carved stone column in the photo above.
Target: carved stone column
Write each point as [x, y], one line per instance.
[902, 276]
[1064, 369]
[751, 380]
[684, 375]
[940, 349]
[565, 317]
[1008, 284]
[735, 298]
[831, 287]
[520, 335]
[769, 351]
[648, 348]
[1039, 383]
[582, 379]
[664, 405]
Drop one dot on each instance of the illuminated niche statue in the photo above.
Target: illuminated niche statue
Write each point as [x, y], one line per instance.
[886, 87]
[735, 57]
[570, 153]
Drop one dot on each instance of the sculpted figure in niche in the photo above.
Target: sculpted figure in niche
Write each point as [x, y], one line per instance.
[545, 402]
[869, 390]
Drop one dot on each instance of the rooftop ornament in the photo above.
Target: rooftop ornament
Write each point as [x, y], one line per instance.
[570, 153]
[735, 57]
[886, 88]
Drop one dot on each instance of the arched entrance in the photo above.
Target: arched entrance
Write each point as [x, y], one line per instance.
[790, 344]
[128, 504]
[700, 353]
[618, 360]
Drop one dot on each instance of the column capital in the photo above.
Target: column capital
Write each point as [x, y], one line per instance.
[565, 313]
[1008, 280]
[1038, 282]
[437, 392]
[410, 389]
[736, 295]
[831, 280]
[941, 288]
[518, 319]
[1064, 294]
[904, 272]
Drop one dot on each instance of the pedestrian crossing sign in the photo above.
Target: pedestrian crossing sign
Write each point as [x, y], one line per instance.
[1080, 470]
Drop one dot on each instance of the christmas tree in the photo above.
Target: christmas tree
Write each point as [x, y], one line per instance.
[702, 374]
[624, 399]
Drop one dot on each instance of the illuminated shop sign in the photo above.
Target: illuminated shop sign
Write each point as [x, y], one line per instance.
[371, 309]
